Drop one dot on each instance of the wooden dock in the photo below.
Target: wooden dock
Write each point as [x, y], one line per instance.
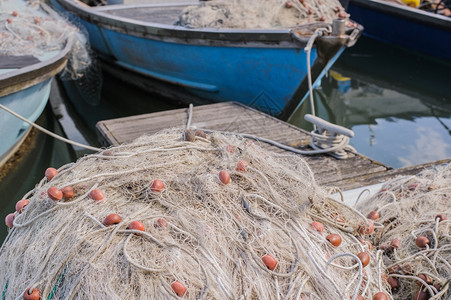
[354, 172]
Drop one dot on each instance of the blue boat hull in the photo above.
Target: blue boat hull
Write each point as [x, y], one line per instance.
[24, 89]
[29, 103]
[404, 26]
[264, 75]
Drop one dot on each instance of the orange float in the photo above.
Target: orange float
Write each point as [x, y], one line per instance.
[20, 205]
[157, 186]
[50, 173]
[112, 219]
[96, 195]
[9, 219]
[161, 223]
[54, 193]
[269, 262]
[136, 225]
[242, 165]
[179, 288]
[334, 239]
[34, 295]
[317, 226]
[68, 192]
[224, 177]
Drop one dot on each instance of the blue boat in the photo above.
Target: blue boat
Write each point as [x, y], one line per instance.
[405, 26]
[24, 88]
[265, 69]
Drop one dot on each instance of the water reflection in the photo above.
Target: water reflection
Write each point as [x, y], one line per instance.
[398, 103]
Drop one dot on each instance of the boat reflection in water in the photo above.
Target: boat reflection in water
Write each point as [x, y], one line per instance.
[397, 103]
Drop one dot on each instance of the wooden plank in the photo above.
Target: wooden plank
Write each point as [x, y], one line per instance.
[380, 177]
[356, 171]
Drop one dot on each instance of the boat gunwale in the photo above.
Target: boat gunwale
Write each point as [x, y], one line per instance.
[25, 77]
[204, 36]
[406, 12]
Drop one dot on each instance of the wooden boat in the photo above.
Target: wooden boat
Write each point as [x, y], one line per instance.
[24, 88]
[264, 69]
[409, 27]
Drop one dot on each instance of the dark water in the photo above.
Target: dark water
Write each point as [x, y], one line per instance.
[398, 104]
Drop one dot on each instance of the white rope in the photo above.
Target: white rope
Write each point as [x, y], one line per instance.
[308, 49]
[279, 145]
[48, 132]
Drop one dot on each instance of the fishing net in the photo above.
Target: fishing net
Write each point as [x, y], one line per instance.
[184, 214]
[415, 240]
[28, 29]
[260, 13]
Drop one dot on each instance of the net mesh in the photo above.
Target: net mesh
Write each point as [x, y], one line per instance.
[28, 29]
[414, 239]
[260, 13]
[204, 235]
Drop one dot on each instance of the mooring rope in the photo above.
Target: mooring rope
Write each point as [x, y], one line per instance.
[49, 132]
[308, 49]
[329, 144]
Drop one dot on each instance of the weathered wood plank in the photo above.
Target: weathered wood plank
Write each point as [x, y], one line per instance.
[356, 171]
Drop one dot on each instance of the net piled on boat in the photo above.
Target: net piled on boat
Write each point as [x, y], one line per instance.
[260, 13]
[27, 29]
[415, 240]
[183, 214]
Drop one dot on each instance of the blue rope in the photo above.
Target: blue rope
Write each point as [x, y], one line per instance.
[55, 287]
[4, 291]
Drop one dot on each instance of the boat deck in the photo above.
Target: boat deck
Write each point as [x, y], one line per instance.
[354, 172]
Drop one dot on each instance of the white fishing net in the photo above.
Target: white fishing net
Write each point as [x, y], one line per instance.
[204, 234]
[260, 13]
[415, 240]
[27, 29]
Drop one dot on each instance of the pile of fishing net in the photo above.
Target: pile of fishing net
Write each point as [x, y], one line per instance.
[415, 239]
[31, 28]
[260, 13]
[185, 214]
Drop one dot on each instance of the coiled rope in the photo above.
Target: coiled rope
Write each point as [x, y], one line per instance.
[322, 142]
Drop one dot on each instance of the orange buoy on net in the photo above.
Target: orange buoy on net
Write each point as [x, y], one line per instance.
[54, 193]
[373, 215]
[242, 165]
[367, 228]
[179, 288]
[317, 226]
[224, 177]
[157, 186]
[380, 296]
[136, 225]
[68, 192]
[112, 219]
[269, 262]
[50, 173]
[334, 239]
[364, 258]
[20, 205]
[9, 219]
[161, 223]
[96, 195]
[422, 241]
[35, 294]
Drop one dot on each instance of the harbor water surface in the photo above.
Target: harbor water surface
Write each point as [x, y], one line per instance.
[397, 102]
